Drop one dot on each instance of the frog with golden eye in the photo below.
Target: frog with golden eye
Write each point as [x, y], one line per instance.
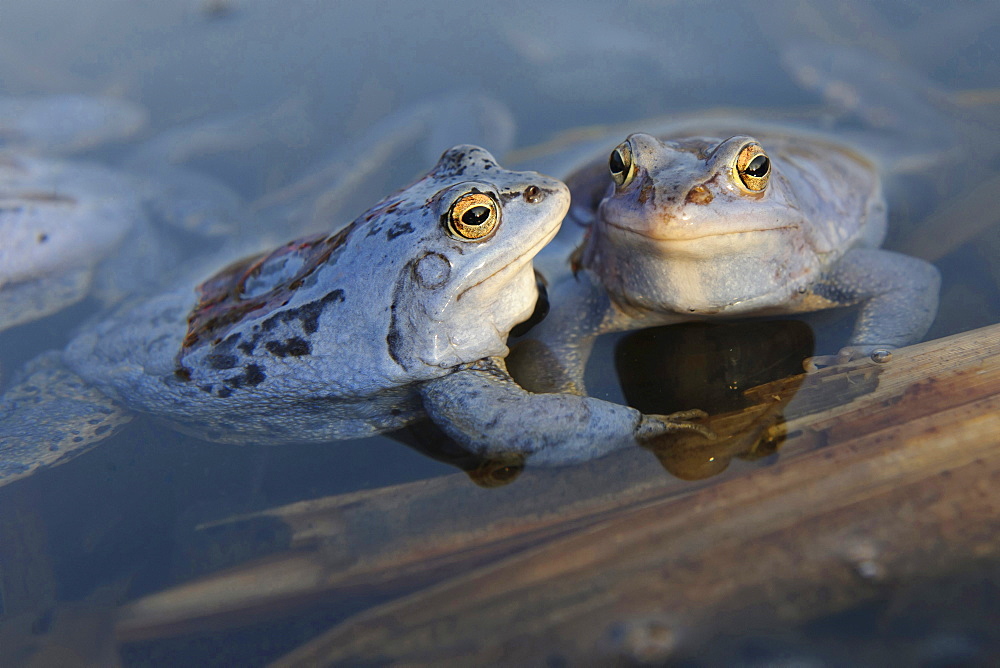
[401, 315]
[707, 222]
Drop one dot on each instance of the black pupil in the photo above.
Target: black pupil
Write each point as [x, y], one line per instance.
[758, 166]
[477, 215]
[616, 163]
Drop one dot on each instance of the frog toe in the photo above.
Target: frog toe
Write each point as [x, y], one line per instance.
[880, 354]
[652, 426]
[817, 362]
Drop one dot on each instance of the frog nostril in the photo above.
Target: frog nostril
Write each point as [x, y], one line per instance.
[699, 195]
[533, 195]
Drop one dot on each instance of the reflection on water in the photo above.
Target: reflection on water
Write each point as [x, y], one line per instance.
[906, 628]
[713, 366]
[427, 438]
[717, 367]
[265, 98]
[710, 365]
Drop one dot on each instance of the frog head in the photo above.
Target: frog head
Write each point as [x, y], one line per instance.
[686, 219]
[433, 276]
[467, 278]
[694, 189]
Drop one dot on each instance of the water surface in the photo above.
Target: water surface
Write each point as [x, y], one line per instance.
[292, 86]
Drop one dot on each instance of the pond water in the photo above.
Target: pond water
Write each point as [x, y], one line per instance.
[318, 108]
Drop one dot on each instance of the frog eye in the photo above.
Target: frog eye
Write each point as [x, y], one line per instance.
[753, 167]
[473, 216]
[621, 166]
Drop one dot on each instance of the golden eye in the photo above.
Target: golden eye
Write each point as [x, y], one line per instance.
[473, 216]
[753, 167]
[621, 166]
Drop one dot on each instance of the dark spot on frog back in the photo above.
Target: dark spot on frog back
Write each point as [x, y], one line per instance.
[399, 229]
[293, 347]
[223, 302]
[308, 314]
[374, 219]
[221, 361]
[252, 376]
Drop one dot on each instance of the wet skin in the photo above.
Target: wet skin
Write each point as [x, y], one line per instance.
[403, 314]
[718, 226]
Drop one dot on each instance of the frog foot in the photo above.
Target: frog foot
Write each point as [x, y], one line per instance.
[657, 425]
[879, 354]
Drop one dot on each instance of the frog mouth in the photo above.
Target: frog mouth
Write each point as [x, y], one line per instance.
[516, 264]
[696, 237]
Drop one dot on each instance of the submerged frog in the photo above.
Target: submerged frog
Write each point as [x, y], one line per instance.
[404, 313]
[706, 221]
[58, 222]
[70, 229]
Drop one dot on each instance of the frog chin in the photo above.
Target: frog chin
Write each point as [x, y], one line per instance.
[688, 238]
[477, 326]
[712, 283]
[436, 331]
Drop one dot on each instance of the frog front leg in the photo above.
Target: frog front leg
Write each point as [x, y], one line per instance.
[485, 411]
[898, 295]
[554, 354]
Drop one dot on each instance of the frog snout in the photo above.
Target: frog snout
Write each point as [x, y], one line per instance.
[699, 194]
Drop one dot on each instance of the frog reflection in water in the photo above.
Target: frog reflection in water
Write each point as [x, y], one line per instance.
[706, 223]
[402, 314]
[744, 374]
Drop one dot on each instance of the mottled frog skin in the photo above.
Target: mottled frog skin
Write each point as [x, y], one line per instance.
[709, 222]
[402, 314]
[330, 337]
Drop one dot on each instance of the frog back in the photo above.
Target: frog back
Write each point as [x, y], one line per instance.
[307, 317]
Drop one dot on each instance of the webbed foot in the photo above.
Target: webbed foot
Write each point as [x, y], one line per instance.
[652, 426]
[49, 416]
